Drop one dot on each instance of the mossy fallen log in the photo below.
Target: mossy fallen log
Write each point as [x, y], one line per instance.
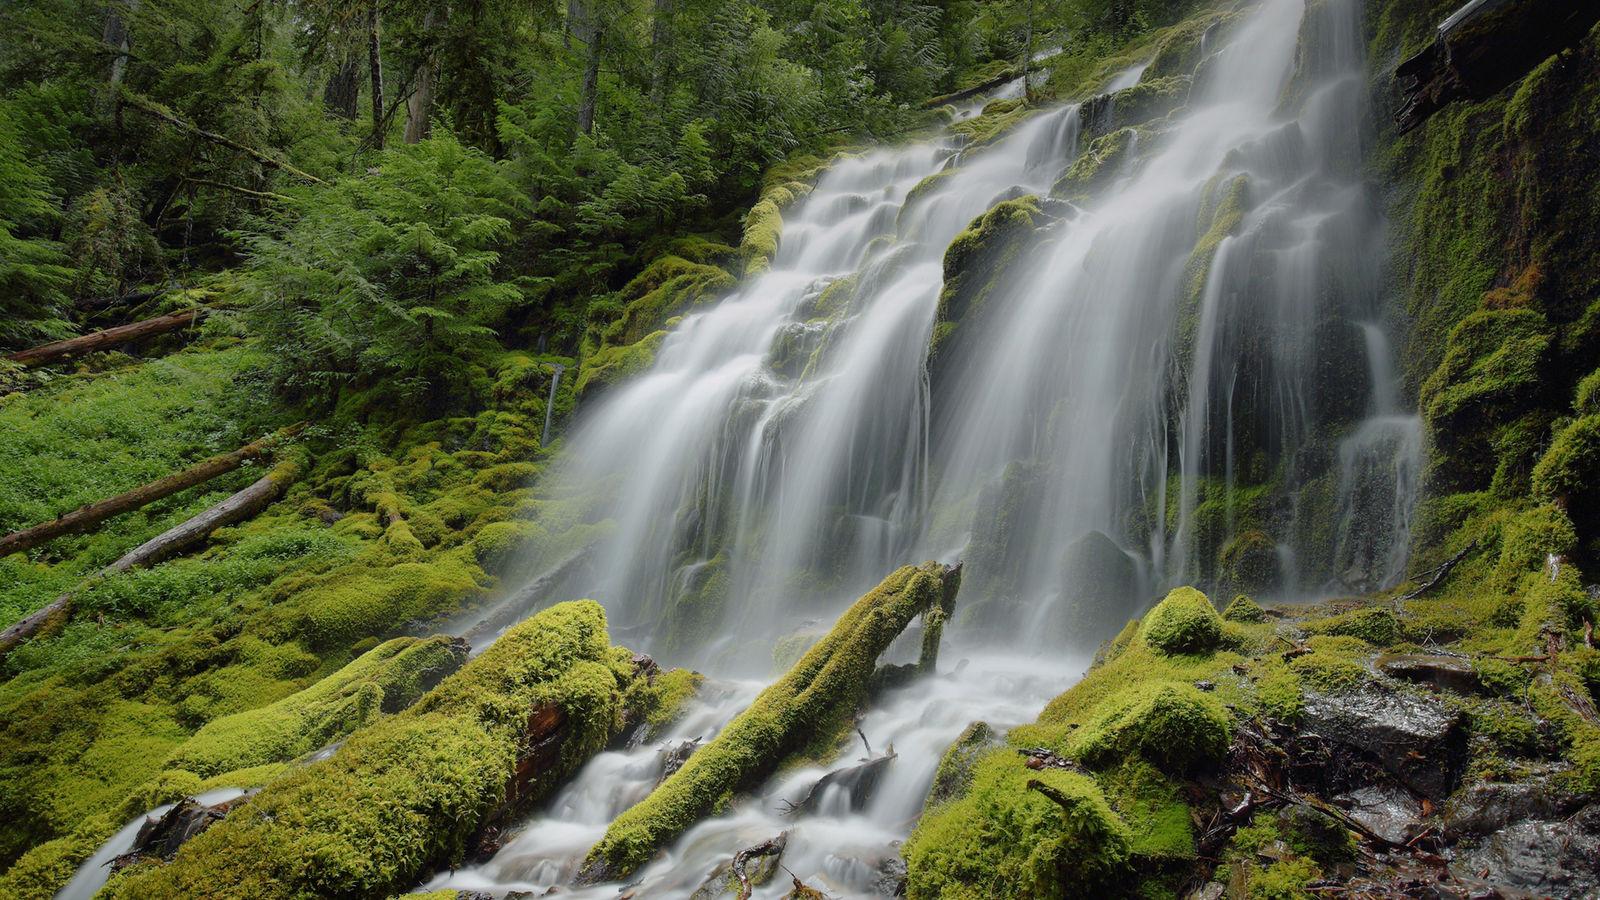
[415, 789]
[86, 517]
[801, 716]
[236, 508]
[105, 340]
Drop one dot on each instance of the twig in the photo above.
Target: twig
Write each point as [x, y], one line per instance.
[864, 741]
[151, 108]
[1440, 572]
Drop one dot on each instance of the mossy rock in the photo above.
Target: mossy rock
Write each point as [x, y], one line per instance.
[1243, 609]
[1376, 626]
[610, 364]
[1095, 168]
[1183, 622]
[763, 229]
[1007, 840]
[1250, 562]
[1175, 726]
[953, 779]
[411, 790]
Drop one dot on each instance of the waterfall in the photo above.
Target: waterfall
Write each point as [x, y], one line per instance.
[1177, 377]
[550, 404]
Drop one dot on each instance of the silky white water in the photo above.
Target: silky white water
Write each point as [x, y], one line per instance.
[1115, 416]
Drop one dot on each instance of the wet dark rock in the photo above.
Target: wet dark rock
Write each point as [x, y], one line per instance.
[1209, 891]
[1099, 594]
[1390, 811]
[859, 783]
[1483, 47]
[1547, 859]
[676, 757]
[890, 877]
[1486, 807]
[1450, 673]
[160, 838]
[1415, 737]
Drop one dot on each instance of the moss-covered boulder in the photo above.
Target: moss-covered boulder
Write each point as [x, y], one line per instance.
[1095, 168]
[413, 789]
[1243, 609]
[953, 779]
[1183, 622]
[1019, 834]
[763, 229]
[1173, 725]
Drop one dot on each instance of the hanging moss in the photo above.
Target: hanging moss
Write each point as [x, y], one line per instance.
[670, 286]
[801, 716]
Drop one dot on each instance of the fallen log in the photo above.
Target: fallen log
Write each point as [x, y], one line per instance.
[151, 108]
[237, 508]
[800, 716]
[111, 337]
[88, 516]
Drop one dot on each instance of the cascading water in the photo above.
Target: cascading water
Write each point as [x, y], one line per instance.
[1177, 380]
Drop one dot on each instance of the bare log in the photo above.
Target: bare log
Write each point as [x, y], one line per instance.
[111, 337]
[237, 508]
[88, 516]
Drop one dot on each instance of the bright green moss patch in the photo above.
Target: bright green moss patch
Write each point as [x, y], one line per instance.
[1007, 840]
[1243, 609]
[800, 716]
[612, 364]
[763, 229]
[411, 790]
[1173, 725]
[1376, 626]
[1094, 169]
[384, 679]
[1183, 622]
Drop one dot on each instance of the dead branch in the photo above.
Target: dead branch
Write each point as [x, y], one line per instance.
[1441, 571]
[151, 108]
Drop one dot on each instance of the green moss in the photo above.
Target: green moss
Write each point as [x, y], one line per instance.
[1250, 561]
[411, 790]
[1173, 725]
[802, 715]
[788, 650]
[763, 229]
[46, 869]
[1572, 464]
[1226, 200]
[953, 778]
[1336, 664]
[1243, 609]
[1183, 622]
[668, 287]
[1005, 840]
[611, 364]
[979, 255]
[1376, 626]
[1094, 169]
[385, 679]
[1160, 823]
[659, 701]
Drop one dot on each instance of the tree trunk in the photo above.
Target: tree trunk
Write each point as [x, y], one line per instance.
[97, 512]
[419, 106]
[375, 70]
[116, 36]
[661, 49]
[1027, 57]
[105, 340]
[342, 94]
[591, 34]
[237, 508]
